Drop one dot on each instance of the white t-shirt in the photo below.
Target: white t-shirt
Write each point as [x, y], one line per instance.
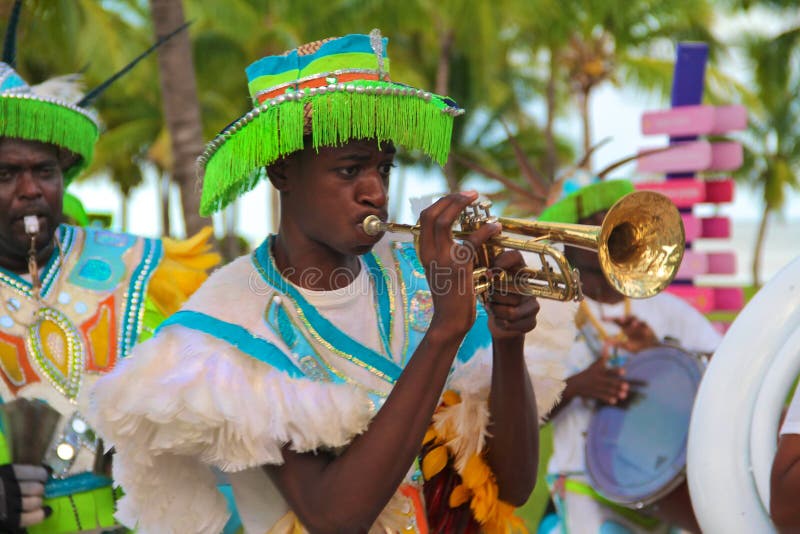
[351, 309]
[791, 424]
[667, 315]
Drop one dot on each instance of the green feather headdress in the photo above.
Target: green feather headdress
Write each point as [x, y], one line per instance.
[329, 91]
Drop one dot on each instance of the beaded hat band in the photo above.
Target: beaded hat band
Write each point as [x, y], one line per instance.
[331, 91]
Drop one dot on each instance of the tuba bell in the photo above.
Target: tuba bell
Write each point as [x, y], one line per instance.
[640, 246]
[734, 424]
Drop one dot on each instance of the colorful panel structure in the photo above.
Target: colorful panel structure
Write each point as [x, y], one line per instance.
[695, 170]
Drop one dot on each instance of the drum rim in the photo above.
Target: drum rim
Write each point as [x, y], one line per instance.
[642, 502]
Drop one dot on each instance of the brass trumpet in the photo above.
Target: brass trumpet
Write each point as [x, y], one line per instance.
[640, 246]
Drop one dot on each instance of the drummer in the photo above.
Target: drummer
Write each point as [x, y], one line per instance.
[611, 328]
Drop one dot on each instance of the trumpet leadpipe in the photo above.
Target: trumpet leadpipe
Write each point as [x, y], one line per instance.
[373, 226]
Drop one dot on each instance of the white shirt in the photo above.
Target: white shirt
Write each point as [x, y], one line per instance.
[351, 309]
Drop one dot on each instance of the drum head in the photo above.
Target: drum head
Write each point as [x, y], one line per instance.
[636, 453]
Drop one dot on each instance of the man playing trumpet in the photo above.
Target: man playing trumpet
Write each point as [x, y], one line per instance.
[314, 370]
[73, 301]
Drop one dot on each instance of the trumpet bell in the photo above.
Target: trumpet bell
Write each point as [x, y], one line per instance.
[641, 244]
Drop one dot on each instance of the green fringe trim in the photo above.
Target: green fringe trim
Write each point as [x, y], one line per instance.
[47, 122]
[337, 117]
[587, 201]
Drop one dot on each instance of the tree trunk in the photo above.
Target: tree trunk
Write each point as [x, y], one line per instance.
[583, 98]
[549, 136]
[163, 194]
[125, 199]
[181, 107]
[759, 247]
[442, 88]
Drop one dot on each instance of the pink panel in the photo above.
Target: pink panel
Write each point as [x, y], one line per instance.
[707, 299]
[699, 263]
[716, 228]
[684, 192]
[680, 121]
[728, 298]
[701, 298]
[727, 156]
[694, 120]
[693, 264]
[692, 227]
[729, 119]
[684, 157]
[721, 263]
[719, 191]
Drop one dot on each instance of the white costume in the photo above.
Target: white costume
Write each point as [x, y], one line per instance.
[252, 363]
[668, 316]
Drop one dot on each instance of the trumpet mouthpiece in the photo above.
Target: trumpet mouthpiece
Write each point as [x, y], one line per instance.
[373, 225]
[31, 224]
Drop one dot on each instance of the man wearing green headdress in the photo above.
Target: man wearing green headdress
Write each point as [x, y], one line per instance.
[336, 376]
[611, 328]
[73, 302]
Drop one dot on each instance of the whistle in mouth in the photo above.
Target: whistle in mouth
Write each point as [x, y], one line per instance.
[31, 224]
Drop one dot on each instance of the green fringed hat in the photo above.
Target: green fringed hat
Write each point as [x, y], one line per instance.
[26, 113]
[46, 112]
[332, 91]
[581, 202]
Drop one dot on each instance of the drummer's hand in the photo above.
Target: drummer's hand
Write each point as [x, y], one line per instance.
[449, 264]
[510, 315]
[638, 334]
[23, 493]
[599, 382]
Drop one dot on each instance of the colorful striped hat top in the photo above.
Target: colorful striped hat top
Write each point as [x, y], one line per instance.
[330, 92]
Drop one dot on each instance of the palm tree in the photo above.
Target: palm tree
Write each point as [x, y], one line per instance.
[181, 107]
[772, 145]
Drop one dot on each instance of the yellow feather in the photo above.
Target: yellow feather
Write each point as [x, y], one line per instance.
[430, 435]
[450, 397]
[459, 496]
[182, 270]
[434, 462]
[476, 472]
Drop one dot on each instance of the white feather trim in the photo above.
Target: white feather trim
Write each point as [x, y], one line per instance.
[199, 402]
[67, 88]
[546, 349]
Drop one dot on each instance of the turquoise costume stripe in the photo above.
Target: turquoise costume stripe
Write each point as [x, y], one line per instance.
[260, 349]
[382, 292]
[88, 481]
[362, 355]
[308, 360]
